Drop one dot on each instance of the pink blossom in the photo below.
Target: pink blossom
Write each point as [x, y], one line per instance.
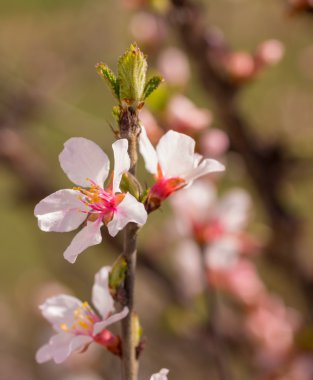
[240, 66]
[217, 223]
[270, 52]
[183, 116]
[77, 324]
[174, 66]
[87, 165]
[154, 131]
[214, 142]
[241, 280]
[273, 325]
[174, 164]
[147, 28]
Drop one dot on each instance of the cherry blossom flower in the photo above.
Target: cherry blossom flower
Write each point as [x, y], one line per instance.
[77, 324]
[211, 221]
[174, 164]
[87, 166]
[184, 116]
[214, 142]
[174, 66]
[162, 375]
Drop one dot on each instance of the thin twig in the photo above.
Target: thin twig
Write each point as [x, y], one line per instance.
[130, 129]
[216, 339]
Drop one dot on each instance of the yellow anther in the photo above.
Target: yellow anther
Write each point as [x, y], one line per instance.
[83, 324]
[64, 327]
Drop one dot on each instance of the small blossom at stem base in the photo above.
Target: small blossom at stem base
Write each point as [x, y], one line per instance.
[77, 324]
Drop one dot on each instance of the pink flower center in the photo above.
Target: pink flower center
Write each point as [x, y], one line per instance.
[84, 319]
[208, 232]
[164, 187]
[101, 202]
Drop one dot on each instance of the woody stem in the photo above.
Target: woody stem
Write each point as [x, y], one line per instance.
[130, 129]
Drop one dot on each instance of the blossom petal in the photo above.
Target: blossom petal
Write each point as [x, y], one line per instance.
[205, 167]
[175, 154]
[82, 159]
[223, 254]
[60, 346]
[129, 210]
[99, 326]
[121, 162]
[60, 310]
[194, 203]
[162, 375]
[88, 236]
[148, 152]
[101, 297]
[60, 211]
[233, 210]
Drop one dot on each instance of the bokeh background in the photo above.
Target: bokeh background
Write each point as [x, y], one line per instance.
[50, 91]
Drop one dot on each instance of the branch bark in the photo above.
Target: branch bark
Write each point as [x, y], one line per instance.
[130, 129]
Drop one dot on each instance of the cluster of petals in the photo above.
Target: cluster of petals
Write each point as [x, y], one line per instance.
[87, 166]
[174, 164]
[216, 224]
[77, 324]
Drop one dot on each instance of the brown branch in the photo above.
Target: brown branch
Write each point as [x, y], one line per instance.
[130, 129]
[266, 164]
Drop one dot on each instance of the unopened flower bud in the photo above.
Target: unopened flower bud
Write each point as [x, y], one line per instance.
[270, 52]
[240, 66]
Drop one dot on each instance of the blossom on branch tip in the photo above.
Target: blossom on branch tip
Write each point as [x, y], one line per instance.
[87, 166]
[77, 324]
[174, 164]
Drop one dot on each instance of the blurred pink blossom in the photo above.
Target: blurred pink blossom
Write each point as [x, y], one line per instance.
[208, 219]
[173, 64]
[188, 266]
[214, 142]
[273, 326]
[154, 131]
[183, 116]
[239, 66]
[270, 52]
[147, 28]
[242, 281]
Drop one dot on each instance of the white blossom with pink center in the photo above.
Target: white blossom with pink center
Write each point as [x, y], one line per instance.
[217, 224]
[162, 375]
[77, 324]
[174, 164]
[87, 166]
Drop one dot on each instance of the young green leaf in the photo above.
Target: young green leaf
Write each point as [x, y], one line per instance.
[151, 85]
[132, 69]
[107, 74]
